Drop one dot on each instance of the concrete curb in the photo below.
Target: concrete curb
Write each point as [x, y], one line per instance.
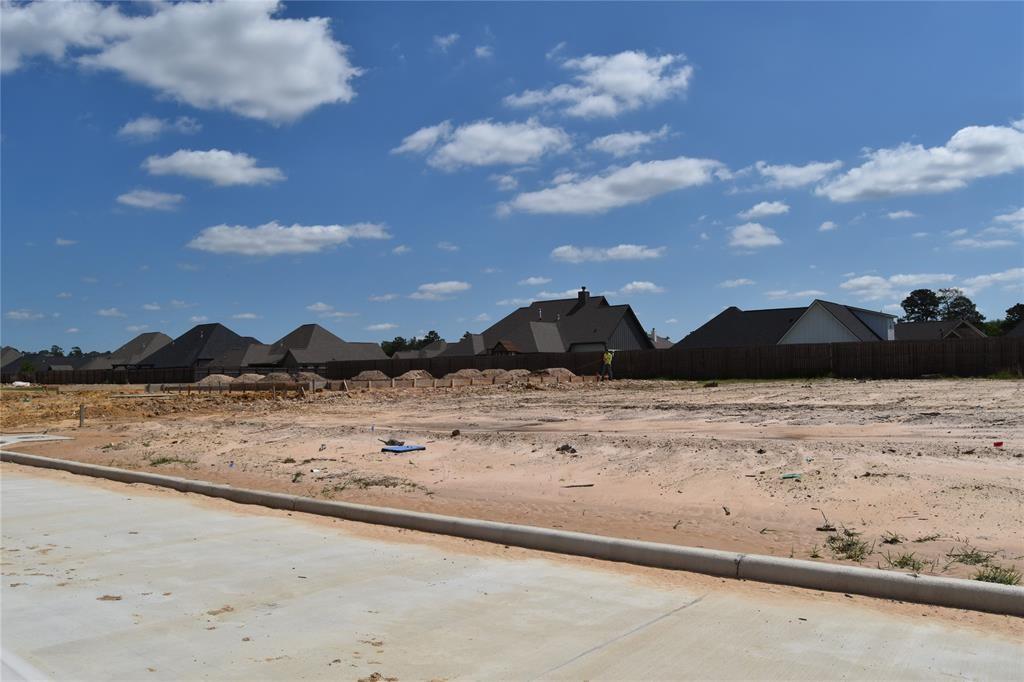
[952, 592]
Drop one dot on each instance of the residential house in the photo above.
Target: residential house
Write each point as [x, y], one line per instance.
[308, 346]
[660, 342]
[131, 355]
[937, 330]
[584, 323]
[820, 322]
[198, 347]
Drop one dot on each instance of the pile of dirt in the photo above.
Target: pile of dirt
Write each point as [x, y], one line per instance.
[306, 377]
[417, 374]
[468, 373]
[277, 378]
[495, 373]
[558, 372]
[250, 378]
[518, 375]
[371, 375]
[215, 380]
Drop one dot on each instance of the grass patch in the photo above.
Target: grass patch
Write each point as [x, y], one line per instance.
[890, 538]
[363, 482]
[288, 460]
[905, 560]
[815, 554]
[848, 545]
[1005, 374]
[969, 556]
[999, 574]
[927, 538]
[160, 461]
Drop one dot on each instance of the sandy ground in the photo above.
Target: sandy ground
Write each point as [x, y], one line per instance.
[665, 461]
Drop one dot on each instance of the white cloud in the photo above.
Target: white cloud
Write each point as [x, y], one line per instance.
[24, 314]
[439, 291]
[584, 254]
[777, 294]
[505, 183]
[151, 306]
[671, 320]
[785, 176]
[198, 319]
[518, 302]
[627, 143]
[382, 298]
[400, 250]
[135, 328]
[827, 226]
[555, 295]
[446, 41]
[1012, 280]
[382, 327]
[179, 304]
[606, 86]
[447, 246]
[274, 239]
[335, 314]
[640, 287]
[972, 243]
[145, 198]
[919, 235]
[618, 187]
[110, 312]
[71, 330]
[973, 152]
[957, 233]
[753, 236]
[235, 56]
[222, 168]
[1015, 217]
[564, 177]
[485, 143]
[146, 128]
[64, 294]
[900, 215]
[874, 287]
[245, 316]
[64, 242]
[733, 283]
[483, 51]
[534, 281]
[764, 209]
[482, 317]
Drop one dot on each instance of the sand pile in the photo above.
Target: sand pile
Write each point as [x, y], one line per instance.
[417, 374]
[371, 375]
[306, 377]
[468, 373]
[559, 372]
[495, 373]
[518, 375]
[250, 378]
[215, 380]
[277, 378]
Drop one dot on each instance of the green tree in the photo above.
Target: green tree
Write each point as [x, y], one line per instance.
[1014, 315]
[56, 350]
[922, 305]
[955, 306]
[75, 352]
[395, 345]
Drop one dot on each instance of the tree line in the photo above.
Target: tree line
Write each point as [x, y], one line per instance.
[926, 305]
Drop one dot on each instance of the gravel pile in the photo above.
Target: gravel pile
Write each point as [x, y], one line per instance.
[489, 373]
[417, 374]
[250, 378]
[559, 372]
[371, 375]
[215, 380]
[277, 378]
[468, 373]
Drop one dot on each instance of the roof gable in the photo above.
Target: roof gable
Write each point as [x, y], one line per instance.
[202, 343]
[734, 327]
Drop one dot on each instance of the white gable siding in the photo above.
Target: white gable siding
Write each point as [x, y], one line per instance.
[883, 325]
[817, 325]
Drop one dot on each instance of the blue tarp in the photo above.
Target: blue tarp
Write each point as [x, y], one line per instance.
[402, 448]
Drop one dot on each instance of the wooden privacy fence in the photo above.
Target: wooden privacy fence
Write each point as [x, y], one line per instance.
[878, 360]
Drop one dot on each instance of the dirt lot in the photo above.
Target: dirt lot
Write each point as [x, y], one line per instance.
[911, 461]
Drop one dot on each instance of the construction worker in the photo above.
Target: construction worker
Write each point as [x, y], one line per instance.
[606, 365]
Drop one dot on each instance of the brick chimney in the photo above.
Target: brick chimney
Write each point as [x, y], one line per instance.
[583, 296]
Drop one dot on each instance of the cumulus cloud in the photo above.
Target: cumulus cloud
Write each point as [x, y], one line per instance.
[146, 198]
[627, 143]
[753, 236]
[236, 56]
[401, 250]
[974, 243]
[606, 86]
[900, 215]
[382, 327]
[786, 176]
[564, 177]
[151, 306]
[1014, 217]
[827, 226]
[485, 143]
[274, 239]
[1012, 280]
[973, 152]
[733, 283]
[765, 209]
[110, 312]
[555, 295]
[777, 294]
[23, 314]
[534, 281]
[482, 317]
[505, 183]
[64, 294]
[71, 330]
[383, 298]
[325, 310]
[245, 316]
[220, 167]
[636, 183]
[640, 287]
[447, 246]
[874, 287]
[514, 301]
[483, 51]
[60, 241]
[198, 319]
[446, 41]
[439, 291]
[146, 128]
[585, 254]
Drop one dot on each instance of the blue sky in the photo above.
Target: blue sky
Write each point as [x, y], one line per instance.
[388, 169]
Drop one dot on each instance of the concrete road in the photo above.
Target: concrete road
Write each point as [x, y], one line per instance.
[109, 581]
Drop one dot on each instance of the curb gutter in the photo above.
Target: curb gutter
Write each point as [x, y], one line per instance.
[951, 592]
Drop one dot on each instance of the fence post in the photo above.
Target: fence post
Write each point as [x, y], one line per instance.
[81, 415]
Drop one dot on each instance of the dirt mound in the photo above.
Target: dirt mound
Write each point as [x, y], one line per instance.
[558, 372]
[468, 373]
[277, 378]
[371, 375]
[250, 378]
[417, 374]
[518, 375]
[489, 373]
[215, 380]
[306, 377]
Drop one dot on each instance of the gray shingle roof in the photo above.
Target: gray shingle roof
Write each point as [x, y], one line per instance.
[848, 318]
[940, 329]
[734, 327]
[199, 345]
[311, 344]
[138, 349]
